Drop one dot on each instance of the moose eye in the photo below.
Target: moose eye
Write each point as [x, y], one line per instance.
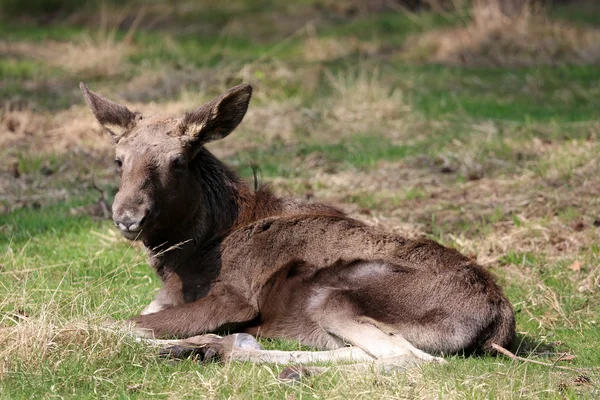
[118, 163]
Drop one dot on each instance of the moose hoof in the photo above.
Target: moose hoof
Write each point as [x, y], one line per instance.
[202, 355]
[181, 352]
[295, 373]
[292, 374]
[246, 341]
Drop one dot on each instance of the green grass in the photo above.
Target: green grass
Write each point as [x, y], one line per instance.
[586, 13]
[392, 27]
[65, 254]
[75, 276]
[523, 94]
[30, 31]
[19, 69]
[360, 152]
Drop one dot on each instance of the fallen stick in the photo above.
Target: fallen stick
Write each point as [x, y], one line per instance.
[515, 357]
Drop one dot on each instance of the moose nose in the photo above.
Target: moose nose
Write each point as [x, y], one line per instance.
[130, 222]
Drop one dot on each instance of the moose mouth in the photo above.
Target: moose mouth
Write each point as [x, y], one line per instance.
[131, 234]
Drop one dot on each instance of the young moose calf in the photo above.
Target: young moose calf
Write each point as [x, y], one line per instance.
[232, 259]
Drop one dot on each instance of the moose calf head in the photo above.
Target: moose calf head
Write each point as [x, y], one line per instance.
[156, 157]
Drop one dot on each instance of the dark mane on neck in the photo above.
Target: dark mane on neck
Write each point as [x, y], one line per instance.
[225, 196]
[229, 202]
[225, 202]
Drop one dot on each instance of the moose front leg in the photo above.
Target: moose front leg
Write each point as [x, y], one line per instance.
[164, 299]
[170, 295]
[221, 309]
[154, 307]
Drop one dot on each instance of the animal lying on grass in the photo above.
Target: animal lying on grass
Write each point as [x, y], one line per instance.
[233, 259]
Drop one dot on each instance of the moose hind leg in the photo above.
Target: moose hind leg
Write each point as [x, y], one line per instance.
[374, 341]
[338, 318]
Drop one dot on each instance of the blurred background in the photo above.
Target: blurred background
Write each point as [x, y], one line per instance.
[474, 123]
[396, 108]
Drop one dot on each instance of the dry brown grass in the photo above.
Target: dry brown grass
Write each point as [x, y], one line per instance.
[48, 337]
[361, 102]
[276, 122]
[327, 49]
[100, 53]
[18, 126]
[491, 37]
[34, 338]
[318, 49]
[539, 196]
[23, 130]
[88, 56]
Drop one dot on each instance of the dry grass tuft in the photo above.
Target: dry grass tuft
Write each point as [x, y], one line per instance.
[32, 343]
[591, 281]
[320, 49]
[89, 56]
[33, 340]
[276, 121]
[99, 55]
[59, 132]
[526, 37]
[21, 125]
[167, 83]
[362, 101]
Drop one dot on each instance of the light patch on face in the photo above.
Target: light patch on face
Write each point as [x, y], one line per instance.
[152, 135]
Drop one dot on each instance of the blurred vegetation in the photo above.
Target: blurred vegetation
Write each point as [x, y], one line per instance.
[474, 123]
[40, 8]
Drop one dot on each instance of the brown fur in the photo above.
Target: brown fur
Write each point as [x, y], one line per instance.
[234, 259]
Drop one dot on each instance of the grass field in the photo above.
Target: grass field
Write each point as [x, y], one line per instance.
[497, 159]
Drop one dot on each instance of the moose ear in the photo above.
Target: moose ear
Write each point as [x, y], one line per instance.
[217, 118]
[117, 119]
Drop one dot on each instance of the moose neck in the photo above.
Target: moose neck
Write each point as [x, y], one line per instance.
[221, 199]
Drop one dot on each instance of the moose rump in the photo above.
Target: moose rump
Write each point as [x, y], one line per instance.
[432, 296]
[302, 306]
